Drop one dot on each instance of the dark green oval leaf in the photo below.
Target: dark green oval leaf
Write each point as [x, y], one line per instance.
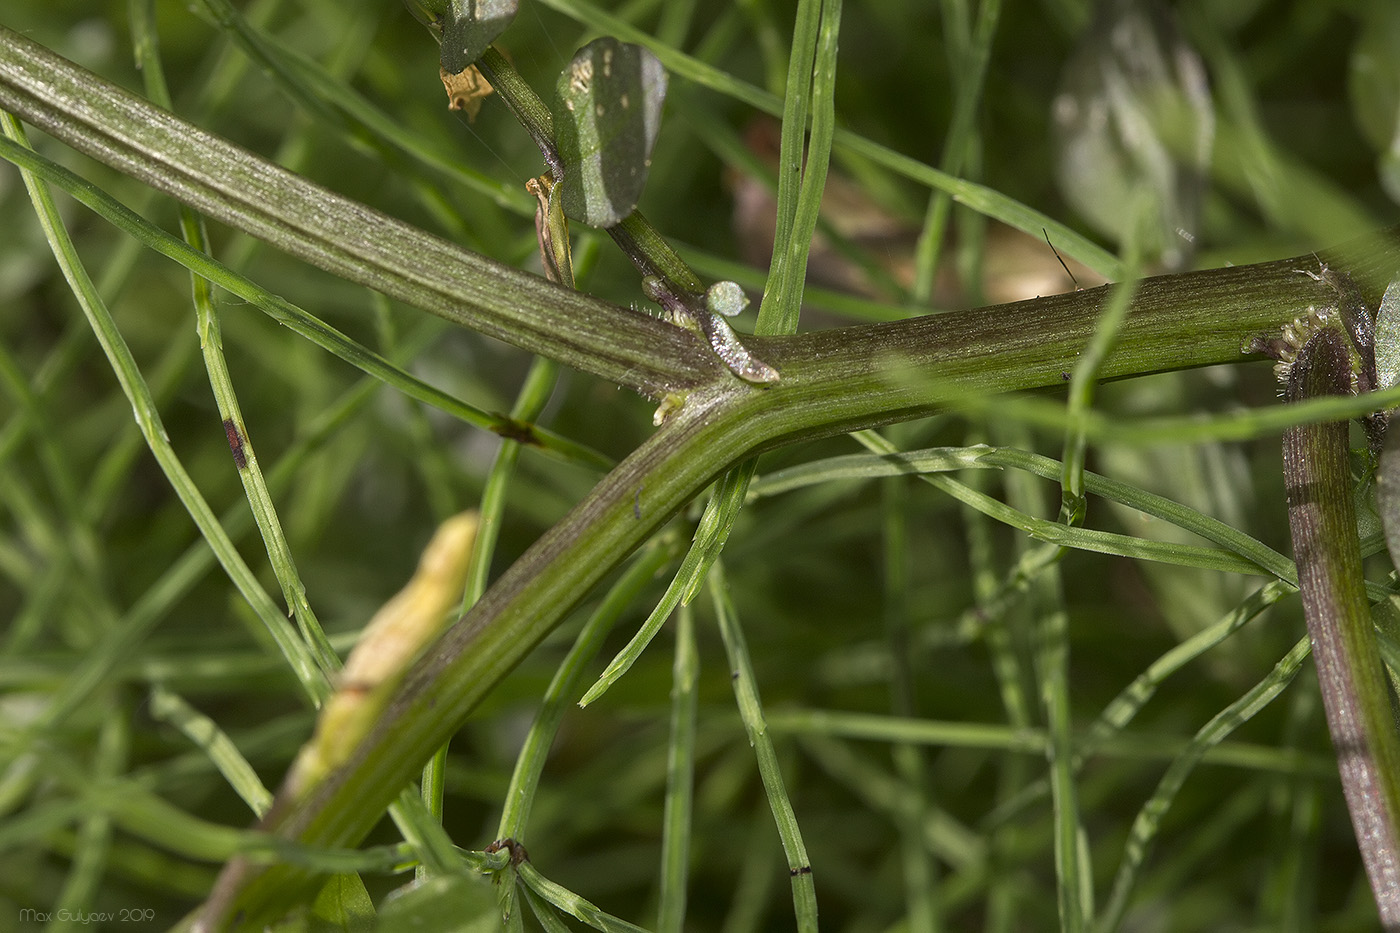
[471, 26]
[607, 111]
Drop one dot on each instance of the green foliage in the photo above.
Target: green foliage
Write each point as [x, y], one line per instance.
[445, 904]
[907, 632]
[470, 26]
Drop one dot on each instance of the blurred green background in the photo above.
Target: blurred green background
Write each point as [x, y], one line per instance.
[1303, 100]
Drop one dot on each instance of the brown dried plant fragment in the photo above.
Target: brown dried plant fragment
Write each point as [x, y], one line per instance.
[465, 90]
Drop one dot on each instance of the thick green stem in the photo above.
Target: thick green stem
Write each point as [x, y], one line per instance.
[1317, 475]
[231, 185]
[1192, 319]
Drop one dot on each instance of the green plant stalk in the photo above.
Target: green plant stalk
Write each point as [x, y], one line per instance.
[1189, 319]
[290, 315]
[1321, 516]
[222, 182]
[715, 428]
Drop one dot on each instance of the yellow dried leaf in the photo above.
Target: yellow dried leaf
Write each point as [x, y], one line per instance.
[397, 634]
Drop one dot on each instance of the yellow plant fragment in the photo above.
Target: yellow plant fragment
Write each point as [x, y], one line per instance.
[399, 631]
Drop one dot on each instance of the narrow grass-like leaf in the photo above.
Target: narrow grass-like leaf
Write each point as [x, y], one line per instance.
[1149, 818]
[544, 911]
[678, 817]
[1082, 382]
[1124, 707]
[134, 386]
[869, 727]
[980, 198]
[1057, 533]
[802, 160]
[922, 887]
[170, 707]
[529, 764]
[284, 312]
[211, 344]
[94, 842]
[804, 895]
[182, 575]
[972, 49]
[711, 534]
[571, 903]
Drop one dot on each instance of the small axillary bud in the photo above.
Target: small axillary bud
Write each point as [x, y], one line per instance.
[1349, 310]
[1348, 317]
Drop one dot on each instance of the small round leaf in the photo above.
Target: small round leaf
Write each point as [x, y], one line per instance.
[607, 112]
[726, 298]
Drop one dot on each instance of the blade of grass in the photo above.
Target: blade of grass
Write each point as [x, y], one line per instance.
[889, 461]
[168, 706]
[282, 311]
[571, 903]
[1149, 818]
[279, 552]
[804, 895]
[94, 849]
[971, 50]
[134, 386]
[921, 885]
[529, 405]
[678, 815]
[711, 534]
[1123, 708]
[534, 751]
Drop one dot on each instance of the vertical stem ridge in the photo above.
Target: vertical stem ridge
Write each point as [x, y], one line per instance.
[1323, 523]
